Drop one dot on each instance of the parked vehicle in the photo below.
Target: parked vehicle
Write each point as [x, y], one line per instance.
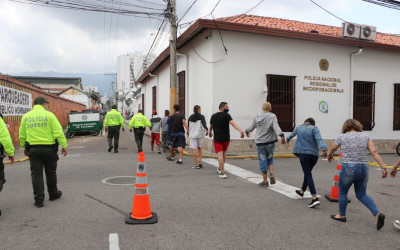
[87, 121]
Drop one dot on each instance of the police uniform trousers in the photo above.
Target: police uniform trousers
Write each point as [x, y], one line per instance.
[43, 156]
[113, 132]
[139, 133]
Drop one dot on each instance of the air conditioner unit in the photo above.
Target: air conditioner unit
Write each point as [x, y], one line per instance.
[368, 32]
[351, 30]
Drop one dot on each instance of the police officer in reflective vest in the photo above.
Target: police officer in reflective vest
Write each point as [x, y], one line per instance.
[7, 147]
[139, 123]
[112, 124]
[40, 133]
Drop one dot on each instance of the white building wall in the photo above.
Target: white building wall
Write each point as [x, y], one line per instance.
[383, 68]
[163, 89]
[241, 80]
[83, 99]
[199, 74]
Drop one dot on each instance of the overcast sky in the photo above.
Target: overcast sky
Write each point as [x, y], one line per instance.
[34, 38]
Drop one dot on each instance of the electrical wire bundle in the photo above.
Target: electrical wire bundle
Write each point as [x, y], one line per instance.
[141, 8]
[386, 3]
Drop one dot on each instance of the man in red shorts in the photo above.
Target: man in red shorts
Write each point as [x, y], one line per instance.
[220, 124]
[155, 131]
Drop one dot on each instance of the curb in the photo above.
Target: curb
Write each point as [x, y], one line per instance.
[374, 164]
[243, 156]
[17, 160]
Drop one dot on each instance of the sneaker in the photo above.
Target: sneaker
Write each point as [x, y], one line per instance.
[263, 184]
[196, 167]
[170, 158]
[200, 165]
[396, 224]
[272, 179]
[38, 204]
[300, 193]
[222, 176]
[219, 171]
[55, 197]
[164, 153]
[314, 203]
[110, 148]
[381, 221]
[180, 161]
[159, 152]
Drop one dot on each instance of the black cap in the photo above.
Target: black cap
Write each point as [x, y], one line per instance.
[39, 100]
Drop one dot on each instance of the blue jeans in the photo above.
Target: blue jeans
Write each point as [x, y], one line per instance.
[308, 162]
[356, 173]
[265, 156]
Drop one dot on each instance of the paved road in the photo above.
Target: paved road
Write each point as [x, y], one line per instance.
[196, 209]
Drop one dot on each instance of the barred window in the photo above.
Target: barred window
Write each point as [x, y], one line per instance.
[181, 91]
[154, 106]
[364, 104]
[281, 95]
[143, 103]
[396, 112]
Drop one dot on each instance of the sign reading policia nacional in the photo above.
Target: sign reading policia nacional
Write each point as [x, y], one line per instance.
[14, 102]
[323, 83]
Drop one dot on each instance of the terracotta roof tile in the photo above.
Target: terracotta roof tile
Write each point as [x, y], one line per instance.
[303, 27]
[277, 27]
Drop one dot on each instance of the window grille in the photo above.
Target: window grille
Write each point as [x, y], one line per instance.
[396, 113]
[154, 98]
[143, 103]
[364, 104]
[281, 95]
[181, 91]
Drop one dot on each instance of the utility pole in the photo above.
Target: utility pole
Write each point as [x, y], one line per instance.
[173, 56]
[115, 90]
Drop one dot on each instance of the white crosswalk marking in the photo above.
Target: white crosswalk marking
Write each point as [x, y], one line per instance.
[279, 186]
[114, 242]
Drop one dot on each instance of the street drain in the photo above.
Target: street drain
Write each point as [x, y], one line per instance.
[120, 180]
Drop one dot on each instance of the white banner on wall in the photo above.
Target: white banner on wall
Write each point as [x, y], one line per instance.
[14, 102]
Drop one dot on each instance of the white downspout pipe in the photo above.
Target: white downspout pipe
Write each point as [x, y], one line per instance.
[158, 96]
[359, 51]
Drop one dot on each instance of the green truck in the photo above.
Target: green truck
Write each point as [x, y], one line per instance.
[87, 121]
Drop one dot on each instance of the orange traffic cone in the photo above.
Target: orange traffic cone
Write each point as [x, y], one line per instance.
[141, 210]
[334, 195]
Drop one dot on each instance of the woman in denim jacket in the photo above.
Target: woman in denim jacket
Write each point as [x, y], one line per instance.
[306, 148]
[354, 144]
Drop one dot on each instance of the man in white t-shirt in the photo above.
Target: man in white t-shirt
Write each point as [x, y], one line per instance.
[197, 130]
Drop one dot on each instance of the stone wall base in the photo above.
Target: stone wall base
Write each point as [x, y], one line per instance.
[241, 146]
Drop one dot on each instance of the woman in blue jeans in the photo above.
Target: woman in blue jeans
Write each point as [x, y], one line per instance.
[354, 145]
[306, 148]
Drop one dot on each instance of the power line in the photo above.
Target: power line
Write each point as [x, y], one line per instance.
[358, 26]
[215, 7]
[330, 13]
[98, 6]
[254, 7]
[163, 23]
[205, 60]
[187, 11]
[386, 3]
